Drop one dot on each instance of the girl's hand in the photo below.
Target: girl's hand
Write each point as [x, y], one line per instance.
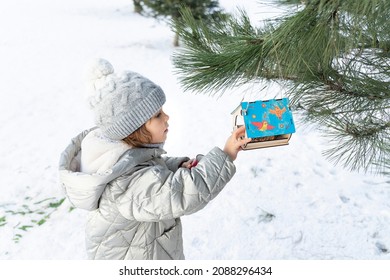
[189, 164]
[234, 143]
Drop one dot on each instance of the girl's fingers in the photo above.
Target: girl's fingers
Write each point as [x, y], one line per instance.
[239, 135]
[244, 141]
[239, 132]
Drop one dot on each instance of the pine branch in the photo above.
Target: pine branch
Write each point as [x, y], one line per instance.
[333, 55]
[220, 55]
[362, 144]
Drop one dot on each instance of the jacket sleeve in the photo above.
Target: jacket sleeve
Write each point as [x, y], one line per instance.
[156, 193]
[173, 163]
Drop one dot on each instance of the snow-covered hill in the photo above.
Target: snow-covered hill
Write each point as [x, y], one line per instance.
[283, 203]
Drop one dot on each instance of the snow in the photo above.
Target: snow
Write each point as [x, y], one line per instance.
[285, 203]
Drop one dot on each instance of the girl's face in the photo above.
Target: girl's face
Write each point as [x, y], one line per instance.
[158, 127]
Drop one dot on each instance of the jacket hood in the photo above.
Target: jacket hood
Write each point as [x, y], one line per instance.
[85, 188]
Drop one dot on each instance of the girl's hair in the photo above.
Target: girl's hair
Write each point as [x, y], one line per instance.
[139, 137]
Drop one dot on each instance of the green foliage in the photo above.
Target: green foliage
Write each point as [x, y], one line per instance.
[171, 8]
[332, 56]
[217, 55]
[3, 221]
[29, 215]
[137, 6]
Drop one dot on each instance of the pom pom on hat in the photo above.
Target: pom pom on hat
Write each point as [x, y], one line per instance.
[121, 103]
[99, 68]
[97, 80]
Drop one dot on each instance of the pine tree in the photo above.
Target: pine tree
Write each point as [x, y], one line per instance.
[171, 9]
[137, 6]
[332, 57]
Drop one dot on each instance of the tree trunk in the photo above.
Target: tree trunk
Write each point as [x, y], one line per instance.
[137, 6]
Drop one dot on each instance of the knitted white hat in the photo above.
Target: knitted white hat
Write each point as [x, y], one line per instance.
[121, 103]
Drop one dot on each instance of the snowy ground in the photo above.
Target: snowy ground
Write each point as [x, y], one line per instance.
[283, 203]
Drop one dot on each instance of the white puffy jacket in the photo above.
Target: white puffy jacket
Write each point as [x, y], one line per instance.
[136, 196]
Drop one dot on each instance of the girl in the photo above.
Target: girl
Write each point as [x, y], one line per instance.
[116, 171]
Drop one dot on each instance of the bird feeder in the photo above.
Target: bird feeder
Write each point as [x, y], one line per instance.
[269, 123]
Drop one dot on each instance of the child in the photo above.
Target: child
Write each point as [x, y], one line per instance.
[117, 172]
